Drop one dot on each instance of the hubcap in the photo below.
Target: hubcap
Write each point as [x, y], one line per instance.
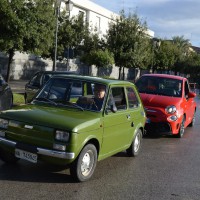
[85, 164]
[137, 143]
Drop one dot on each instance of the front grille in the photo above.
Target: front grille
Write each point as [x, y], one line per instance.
[161, 127]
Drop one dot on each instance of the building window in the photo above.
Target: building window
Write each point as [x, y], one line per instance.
[98, 24]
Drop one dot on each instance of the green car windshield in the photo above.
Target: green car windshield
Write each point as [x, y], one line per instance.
[73, 93]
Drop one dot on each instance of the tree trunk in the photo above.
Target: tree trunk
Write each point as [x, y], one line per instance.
[137, 74]
[11, 54]
[119, 77]
[123, 74]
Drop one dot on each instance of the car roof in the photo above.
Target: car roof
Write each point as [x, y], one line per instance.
[95, 79]
[165, 76]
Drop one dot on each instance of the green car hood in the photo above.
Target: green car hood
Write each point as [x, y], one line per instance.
[61, 118]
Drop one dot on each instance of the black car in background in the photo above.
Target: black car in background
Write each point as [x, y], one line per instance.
[38, 80]
[6, 95]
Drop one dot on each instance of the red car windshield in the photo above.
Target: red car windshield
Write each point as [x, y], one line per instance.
[160, 86]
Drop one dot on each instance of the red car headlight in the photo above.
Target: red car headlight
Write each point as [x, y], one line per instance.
[170, 109]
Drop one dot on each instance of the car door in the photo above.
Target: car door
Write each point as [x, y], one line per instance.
[5, 95]
[33, 86]
[135, 108]
[188, 103]
[117, 125]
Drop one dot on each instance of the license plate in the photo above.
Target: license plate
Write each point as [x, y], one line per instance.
[31, 157]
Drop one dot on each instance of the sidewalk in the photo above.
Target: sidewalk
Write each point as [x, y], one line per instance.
[18, 86]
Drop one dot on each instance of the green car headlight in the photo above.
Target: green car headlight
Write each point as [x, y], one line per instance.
[170, 109]
[62, 136]
[4, 123]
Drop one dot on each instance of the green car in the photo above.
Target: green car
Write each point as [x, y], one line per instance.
[74, 121]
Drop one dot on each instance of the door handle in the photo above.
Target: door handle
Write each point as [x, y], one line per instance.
[128, 117]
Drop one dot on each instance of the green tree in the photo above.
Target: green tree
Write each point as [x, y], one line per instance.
[99, 57]
[182, 53]
[192, 65]
[165, 56]
[129, 43]
[94, 51]
[26, 26]
[70, 35]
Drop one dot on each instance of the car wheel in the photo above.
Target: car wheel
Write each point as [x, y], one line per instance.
[182, 128]
[193, 121]
[8, 157]
[83, 167]
[134, 149]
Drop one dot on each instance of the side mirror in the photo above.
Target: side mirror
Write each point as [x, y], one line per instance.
[191, 95]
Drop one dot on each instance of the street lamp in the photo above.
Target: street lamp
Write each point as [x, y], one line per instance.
[69, 6]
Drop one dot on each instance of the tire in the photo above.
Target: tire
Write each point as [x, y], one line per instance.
[193, 121]
[8, 157]
[83, 167]
[182, 128]
[135, 147]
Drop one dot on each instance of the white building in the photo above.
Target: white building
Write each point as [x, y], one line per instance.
[96, 16]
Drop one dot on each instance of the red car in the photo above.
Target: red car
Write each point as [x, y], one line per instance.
[169, 103]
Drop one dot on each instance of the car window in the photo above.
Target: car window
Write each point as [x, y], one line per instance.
[133, 101]
[67, 91]
[2, 81]
[186, 89]
[119, 98]
[36, 80]
[160, 86]
[76, 89]
[46, 78]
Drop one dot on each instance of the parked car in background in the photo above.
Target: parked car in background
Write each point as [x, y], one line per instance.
[6, 95]
[169, 103]
[76, 121]
[38, 80]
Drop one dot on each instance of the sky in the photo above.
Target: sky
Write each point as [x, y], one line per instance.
[167, 18]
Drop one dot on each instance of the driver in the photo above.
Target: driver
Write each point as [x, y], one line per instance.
[99, 93]
[96, 102]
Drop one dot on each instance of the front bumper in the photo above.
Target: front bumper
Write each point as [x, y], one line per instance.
[41, 151]
[159, 127]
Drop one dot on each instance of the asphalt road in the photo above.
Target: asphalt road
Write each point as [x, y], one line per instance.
[167, 168]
